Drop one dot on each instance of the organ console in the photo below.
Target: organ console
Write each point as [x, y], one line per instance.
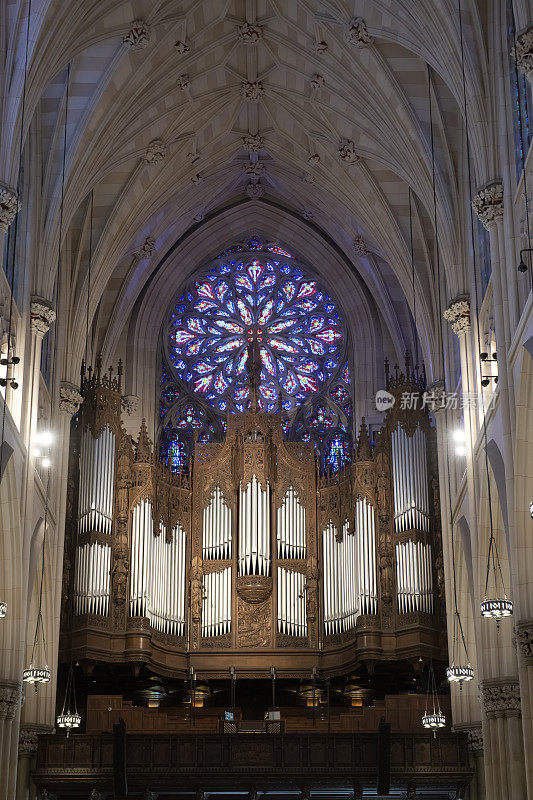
[255, 558]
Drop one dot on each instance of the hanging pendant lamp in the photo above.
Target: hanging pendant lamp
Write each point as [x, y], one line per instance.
[38, 671]
[69, 717]
[433, 717]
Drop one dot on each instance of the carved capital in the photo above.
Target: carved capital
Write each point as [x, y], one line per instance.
[138, 35]
[129, 404]
[458, 315]
[253, 142]
[69, 399]
[475, 739]
[250, 34]
[501, 698]
[523, 51]
[155, 152]
[488, 203]
[524, 639]
[9, 205]
[28, 741]
[252, 91]
[357, 33]
[41, 316]
[9, 701]
[435, 396]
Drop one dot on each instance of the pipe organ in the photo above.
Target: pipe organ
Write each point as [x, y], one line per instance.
[291, 526]
[292, 618]
[254, 529]
[157, 572]
[216, 528]
[254, 558]
[216, 606]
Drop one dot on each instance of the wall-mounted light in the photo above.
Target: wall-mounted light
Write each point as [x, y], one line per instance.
[531, 509]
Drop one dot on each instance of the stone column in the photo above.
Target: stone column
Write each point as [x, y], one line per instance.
[503, 750]
[475, 748]
[524, 639]
[69, 402]
[10, 695]
[27, 751]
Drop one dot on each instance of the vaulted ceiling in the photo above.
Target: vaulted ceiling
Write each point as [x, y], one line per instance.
[317, 109]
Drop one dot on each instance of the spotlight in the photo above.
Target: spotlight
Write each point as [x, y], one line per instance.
[459, 436]
[531, 509]
[46, 463]
[44, 438]
[460, 451]
[3, 609]
[36, 452]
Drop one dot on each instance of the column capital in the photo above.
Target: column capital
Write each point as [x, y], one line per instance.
[523, 51]
[69, 398]
[501, 697]
[475, 739]
[435, 396]
[9, 700]
[458, 314]
[488, 203]
[9, 206]
[524, 639]
[28, 740]
[41, 316]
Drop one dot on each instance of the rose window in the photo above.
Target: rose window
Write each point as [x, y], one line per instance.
[258, 293]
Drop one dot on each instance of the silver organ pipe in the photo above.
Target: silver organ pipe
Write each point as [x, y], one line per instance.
[216, 528]
[292, 614]
[365, 533]
[411, 512]
[414, 577]
[254, 529]
[97, 471]
[93, 560]
[291, 527]
[157, 578]
[341, 574]
[216, 607]
[410, 480]
[91, 580]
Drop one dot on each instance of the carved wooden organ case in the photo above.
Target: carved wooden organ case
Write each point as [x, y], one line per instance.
[257, 561]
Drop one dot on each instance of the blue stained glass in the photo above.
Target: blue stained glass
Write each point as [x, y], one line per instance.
[272, 306]
[338, 453]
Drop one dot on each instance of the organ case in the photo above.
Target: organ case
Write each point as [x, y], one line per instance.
[257, 559]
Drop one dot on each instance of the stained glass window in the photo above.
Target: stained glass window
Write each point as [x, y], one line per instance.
[262, 295]
[338, 452]
[173, 452]
[255, 290]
